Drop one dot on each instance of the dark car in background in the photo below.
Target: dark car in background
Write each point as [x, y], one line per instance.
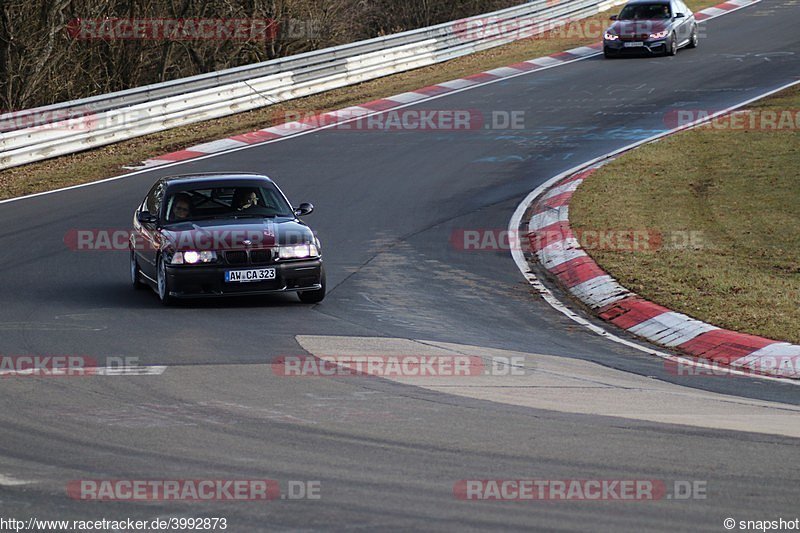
[658, 27]
[213, 235]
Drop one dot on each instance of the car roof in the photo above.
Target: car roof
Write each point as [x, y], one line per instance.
[637, 2]
[216, 178]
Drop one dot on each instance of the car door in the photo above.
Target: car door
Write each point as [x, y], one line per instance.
[683, 27]
[690, 23]
[147, 233]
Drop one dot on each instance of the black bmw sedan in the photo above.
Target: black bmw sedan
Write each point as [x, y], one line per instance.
[209, 235]
[651, 27]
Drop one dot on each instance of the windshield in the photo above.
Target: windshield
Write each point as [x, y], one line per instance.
[227, 202]
[645, 12]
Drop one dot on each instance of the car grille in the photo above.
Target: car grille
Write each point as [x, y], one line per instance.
[236, 257]
[642, 37]
[260, 256]
[243, 257]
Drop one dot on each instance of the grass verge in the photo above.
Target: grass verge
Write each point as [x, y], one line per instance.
[108, 161]
[738, 189]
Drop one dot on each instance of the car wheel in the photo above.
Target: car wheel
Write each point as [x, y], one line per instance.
[163, 283]
[672, 46]
[136, 279]
[694, 41]
[607, 53]
[314, 297]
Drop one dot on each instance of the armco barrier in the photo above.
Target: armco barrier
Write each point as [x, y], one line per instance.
[105, 119]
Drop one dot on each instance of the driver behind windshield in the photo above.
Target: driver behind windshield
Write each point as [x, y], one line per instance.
[646, 12]
[181, 207]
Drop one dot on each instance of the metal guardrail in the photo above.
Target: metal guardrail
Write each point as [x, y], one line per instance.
[70, 127]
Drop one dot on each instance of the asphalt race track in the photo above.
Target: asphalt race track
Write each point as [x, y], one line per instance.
[388, 453]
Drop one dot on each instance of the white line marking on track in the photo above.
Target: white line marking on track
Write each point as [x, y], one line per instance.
[8, 481]
[155, 370]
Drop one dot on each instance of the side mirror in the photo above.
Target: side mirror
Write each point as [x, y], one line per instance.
[145, 217]
[679, 15]
[303, 209]
[614, 17]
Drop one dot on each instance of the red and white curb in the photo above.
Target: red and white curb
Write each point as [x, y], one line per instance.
[349, 114]
[561, 255]
[721, 9]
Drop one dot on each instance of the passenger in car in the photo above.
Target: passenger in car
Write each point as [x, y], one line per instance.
[245, 199]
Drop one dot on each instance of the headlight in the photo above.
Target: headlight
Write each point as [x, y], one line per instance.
[298, 251]
[659, 35]
[192, 257]
[610, 36]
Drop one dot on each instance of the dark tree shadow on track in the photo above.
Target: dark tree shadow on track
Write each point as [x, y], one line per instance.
[121, 295]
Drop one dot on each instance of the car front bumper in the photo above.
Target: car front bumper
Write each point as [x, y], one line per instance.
[654, 46]
[207, 281]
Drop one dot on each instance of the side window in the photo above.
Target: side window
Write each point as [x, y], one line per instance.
[145, 207]
[153, 201]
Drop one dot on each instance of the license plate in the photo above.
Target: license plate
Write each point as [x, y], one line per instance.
[244, 276]
[633, 45]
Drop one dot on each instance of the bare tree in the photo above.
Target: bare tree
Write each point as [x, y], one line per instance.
[41, 62]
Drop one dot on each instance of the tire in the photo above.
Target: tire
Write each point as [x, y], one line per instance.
[672, 46]
[162, 287]
[314, 297]
[694, 40]
[607, 53]
[136, 278]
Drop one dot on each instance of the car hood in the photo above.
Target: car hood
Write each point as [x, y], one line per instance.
[235, 234]
[626, 28]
